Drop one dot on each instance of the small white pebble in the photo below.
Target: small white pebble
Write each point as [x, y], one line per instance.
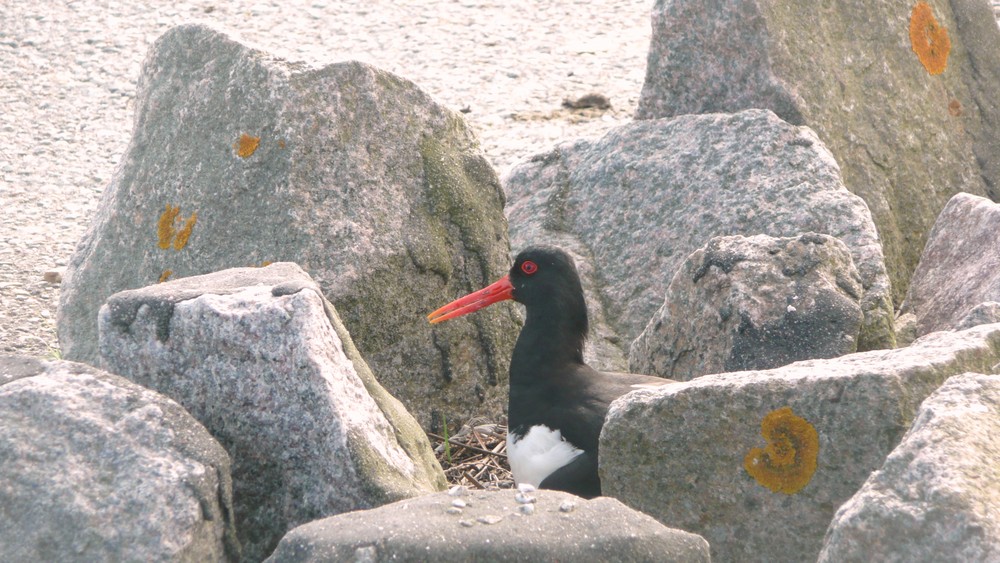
[456, 491]
[791, 309]
[459, 503]
[522, 498]
[467, 523]
[366, 553]
[454, 510]
[526, 488]
[489, 519]
[527, 508]
[567, 506]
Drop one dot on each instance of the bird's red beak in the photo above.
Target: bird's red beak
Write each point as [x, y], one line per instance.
[499, 290]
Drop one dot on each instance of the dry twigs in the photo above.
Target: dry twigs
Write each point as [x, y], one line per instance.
[475, 457]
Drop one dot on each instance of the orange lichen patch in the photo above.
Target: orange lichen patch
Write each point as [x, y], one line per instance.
[788, 462]
[166, 274]
[928, 39]
[246, 145]
[955, 108]
[171, 231]
[185, 233]
[281, 143]
[165, 226]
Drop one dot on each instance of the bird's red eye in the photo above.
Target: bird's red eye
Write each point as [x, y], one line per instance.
[529, 267]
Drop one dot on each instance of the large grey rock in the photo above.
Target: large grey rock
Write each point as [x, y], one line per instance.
[492, 526]
[263, 361]
[760, 302]
[906, 140]
[96, 468]
[960, 267]
[687, 454]
[937, 498]
[641, 199]
[381, 194]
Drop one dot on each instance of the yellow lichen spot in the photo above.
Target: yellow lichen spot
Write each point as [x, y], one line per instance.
[166, 274]
[246, 145]
[165, 226]
[266, 263]
[185, 233]
[172, 230]
[928, 39]
[788, 461]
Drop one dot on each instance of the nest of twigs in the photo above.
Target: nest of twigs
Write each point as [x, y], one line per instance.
[475, 456]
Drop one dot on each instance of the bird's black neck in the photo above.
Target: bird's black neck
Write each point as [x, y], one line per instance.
[550, 341]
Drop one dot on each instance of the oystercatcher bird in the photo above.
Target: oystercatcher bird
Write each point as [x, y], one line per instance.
[557, 402]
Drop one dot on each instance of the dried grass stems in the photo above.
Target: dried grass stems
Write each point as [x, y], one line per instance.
[475, 456]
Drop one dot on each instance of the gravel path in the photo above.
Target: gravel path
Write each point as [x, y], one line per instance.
[67, 87]
[68, 77]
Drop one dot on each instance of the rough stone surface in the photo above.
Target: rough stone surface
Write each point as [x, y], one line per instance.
[906, 140]
[262, 360]
[636, 203]
[380, 193]
[760, 302]
[906, 329]
[96, 468]
[982, 314]
[960, 267]
[937, 498]
[680, 454]
[492, 526]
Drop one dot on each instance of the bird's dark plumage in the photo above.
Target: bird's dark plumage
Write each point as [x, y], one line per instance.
[557, 402]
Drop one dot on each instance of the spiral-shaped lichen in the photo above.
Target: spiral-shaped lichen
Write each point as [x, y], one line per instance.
[788, 462]
[928, 39]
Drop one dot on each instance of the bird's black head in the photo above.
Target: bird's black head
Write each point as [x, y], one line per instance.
[544, 279]
[545, 276]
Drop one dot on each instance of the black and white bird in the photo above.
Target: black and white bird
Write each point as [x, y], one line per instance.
[557, 402]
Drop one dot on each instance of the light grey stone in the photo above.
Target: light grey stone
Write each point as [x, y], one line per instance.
[262, 359]
[380, 193]
[960, 267]
[906, 329]
[681, 453]
[97, 468]
[636, 203]
[937, 497]
[982, 314]
[492, 528]
[759, 302]
[906, 140]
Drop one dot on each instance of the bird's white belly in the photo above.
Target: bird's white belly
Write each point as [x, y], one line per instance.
[534, 456]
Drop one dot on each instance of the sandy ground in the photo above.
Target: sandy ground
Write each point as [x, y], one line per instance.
[67, 93]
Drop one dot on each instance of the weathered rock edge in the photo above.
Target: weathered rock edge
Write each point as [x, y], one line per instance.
[168, 496]
[678, 453]
[492, 526]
